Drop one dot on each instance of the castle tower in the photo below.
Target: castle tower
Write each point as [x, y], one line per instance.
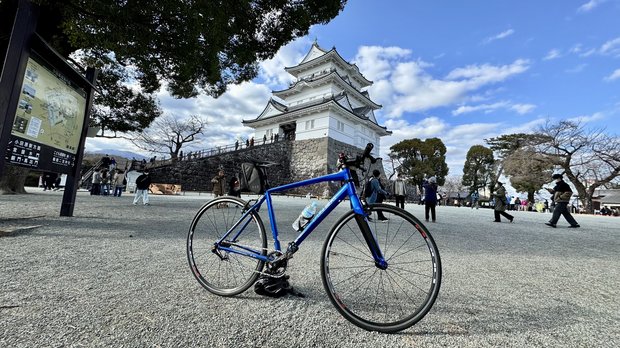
[326, 110]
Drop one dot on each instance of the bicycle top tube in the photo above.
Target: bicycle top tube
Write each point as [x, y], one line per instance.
[347, 190]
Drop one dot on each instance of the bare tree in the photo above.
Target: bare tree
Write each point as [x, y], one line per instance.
[168, 134]
[589, 158]
[453, 184]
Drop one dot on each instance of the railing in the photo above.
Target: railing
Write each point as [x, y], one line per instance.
[86, 178]
[196, 155]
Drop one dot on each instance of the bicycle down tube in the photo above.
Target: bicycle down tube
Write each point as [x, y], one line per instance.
[347, 189]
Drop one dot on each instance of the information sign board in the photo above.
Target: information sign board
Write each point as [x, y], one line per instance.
[49, 119]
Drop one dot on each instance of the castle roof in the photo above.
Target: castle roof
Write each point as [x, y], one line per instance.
[326, 77]
[317, 56]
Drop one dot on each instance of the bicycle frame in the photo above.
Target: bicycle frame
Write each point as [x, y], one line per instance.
[347, 190]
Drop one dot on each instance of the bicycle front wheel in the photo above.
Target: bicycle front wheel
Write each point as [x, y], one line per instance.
[221, 272]
[376, 299]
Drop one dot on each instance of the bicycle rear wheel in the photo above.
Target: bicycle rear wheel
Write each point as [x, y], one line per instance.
[386, 300]
[226, 274]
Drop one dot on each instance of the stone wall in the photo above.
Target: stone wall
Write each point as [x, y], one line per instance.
[299, 160]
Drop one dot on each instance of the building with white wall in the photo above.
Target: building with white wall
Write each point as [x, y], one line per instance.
[327, 100]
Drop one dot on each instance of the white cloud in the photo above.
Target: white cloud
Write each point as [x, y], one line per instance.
[97, 145]
[527, 127]
[403, 84]
[588, 118]
[489, 108]
[614, 75]
[457, 138]
[522, 109]
[375, 61]
[502, 35]
[590, 5]
[576, 49]
[611, 47]
[553, 54]
[272, 70]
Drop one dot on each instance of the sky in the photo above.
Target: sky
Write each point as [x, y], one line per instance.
[462, 71]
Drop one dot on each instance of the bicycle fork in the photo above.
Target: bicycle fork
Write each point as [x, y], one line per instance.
[371, 241]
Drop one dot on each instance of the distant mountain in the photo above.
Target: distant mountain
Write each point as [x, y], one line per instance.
[119, 153]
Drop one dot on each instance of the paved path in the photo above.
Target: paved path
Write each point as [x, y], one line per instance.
[116, 275]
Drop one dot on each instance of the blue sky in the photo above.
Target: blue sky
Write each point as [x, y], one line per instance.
[462, 71]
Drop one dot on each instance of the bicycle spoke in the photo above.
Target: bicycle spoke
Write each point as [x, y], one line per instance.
[353, 257]
[228, 273]
[390, 299]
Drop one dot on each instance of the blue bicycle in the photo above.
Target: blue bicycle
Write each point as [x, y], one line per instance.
[380, 275]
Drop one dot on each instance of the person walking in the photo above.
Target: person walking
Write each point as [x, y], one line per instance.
[143, 182]
[377, 193]
[400, 191]
[500, 203]
[430, 198]
[475, 197]
[561, 196]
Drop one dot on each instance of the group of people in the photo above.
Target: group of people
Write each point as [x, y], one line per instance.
[377, 194]
[561, 194]
[221, 186]
[50, 181]
[105, 182]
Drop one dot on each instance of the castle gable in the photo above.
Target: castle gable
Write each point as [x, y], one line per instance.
[273, 108]
[315, 52]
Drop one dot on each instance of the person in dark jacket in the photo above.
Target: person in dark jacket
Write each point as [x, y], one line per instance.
[561, 196]
[234, 187]
[430, 197]
[378, 193]
[143, 182]
[500, 203]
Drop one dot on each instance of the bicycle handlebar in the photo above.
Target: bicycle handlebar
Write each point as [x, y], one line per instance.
[359, 160]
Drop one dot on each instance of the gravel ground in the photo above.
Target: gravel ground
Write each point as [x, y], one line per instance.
[116, 275]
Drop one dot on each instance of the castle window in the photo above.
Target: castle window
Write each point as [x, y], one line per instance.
[341, 126]
[310, 124]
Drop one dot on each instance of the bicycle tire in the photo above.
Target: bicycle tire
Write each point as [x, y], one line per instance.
[217, 275]
[354, 284]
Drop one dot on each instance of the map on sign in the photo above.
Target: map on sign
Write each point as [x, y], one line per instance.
[50, 109]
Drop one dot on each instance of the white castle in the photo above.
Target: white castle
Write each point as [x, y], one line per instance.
[327, 100]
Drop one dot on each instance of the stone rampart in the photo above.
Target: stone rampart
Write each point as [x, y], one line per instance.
[298, 160]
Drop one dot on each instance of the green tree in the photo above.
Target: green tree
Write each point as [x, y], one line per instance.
[528, 171]
[192, 47]
[478, 168]
[418, 159]
[507, 144]
[117, 107]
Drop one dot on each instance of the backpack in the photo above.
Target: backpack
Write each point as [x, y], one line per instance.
[368, 189]
[252, 178]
